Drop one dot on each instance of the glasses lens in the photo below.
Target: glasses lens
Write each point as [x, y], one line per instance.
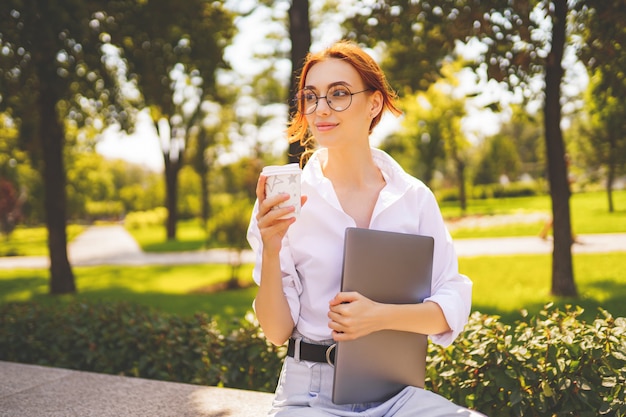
[306, 100]
[339, 98]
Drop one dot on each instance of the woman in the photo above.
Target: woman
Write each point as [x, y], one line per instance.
[346, 183]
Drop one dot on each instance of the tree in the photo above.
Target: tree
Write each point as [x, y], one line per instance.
[431, 130]
[603, 49]
[524, 131]
[300, 35]
[51, 66]
[15, 175]
[204, 138]
[228, 228]
[173, 52]
[418, 35]
[9, 207]
[605, 133]
[498, 158]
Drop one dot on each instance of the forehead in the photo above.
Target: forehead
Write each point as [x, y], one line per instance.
[330, 71]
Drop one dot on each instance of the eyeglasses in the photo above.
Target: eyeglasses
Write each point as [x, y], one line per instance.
[338, 98]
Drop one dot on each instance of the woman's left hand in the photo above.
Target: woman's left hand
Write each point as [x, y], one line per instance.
[352, 315]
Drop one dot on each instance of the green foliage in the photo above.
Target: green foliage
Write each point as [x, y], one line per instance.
[104, 209]
[549, 365]
[126, 339]
[151, 237]
[188, 192]
[32, 241]
[553, 364]
[511, 190]
[481, 192]
[141, 219]
[498, 158]
[589, 213]
[228, 227]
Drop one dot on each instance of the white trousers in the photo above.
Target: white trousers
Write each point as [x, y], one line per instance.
[304, 390]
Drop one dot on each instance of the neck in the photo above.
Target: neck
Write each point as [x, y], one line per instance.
[354, 168]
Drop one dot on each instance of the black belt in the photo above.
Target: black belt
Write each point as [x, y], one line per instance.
[303, 351]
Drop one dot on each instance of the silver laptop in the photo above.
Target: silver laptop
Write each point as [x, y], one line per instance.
[388, 267]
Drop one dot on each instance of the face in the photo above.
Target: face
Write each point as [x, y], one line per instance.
[333, 128]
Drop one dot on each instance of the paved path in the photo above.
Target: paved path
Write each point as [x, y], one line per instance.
[113, 245]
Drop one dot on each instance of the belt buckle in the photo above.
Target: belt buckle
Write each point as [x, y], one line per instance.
[328, 353]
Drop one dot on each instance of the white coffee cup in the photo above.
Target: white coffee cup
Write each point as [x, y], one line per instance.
[284, 179]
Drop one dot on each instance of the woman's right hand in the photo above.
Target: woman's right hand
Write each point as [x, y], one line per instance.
[269, 222]
[271, 306]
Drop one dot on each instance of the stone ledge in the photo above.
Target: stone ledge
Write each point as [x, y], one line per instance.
[39, 391]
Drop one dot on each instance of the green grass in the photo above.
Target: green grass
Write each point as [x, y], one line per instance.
[179, 289]
[503, 285]
[589, 214]
[190, 236]
[32, 241]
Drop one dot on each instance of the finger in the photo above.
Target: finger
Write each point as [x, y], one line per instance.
[260, 188]
[267, 207]
[342, 337]
[344, 297]
[336, 326]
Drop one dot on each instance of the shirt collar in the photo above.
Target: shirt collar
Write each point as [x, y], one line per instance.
[398, 181]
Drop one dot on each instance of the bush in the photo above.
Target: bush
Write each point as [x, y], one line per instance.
[125, 339]
[515, 189]
[104, 210]
[141, 219]
[487, 191]
[549, 365]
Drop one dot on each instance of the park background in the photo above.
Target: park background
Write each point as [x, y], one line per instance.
[208, 84]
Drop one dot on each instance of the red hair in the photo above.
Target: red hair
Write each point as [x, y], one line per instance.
[372, 75]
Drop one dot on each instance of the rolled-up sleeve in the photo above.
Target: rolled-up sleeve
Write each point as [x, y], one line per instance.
[292, 287]
[451, 290]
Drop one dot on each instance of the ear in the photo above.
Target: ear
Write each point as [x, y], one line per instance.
[376, 104]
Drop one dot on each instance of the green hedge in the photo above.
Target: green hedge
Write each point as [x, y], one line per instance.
[550, 365]
[126, 339]
[487, 191]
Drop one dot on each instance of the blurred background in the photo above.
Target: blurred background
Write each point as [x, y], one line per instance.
[159, 114]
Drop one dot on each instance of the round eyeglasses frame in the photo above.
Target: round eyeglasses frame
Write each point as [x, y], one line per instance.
[297, 100]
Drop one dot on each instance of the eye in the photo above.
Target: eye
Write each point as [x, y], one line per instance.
[307, 96]
[339, 92]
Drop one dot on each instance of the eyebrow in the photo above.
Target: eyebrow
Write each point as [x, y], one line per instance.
[311, 87]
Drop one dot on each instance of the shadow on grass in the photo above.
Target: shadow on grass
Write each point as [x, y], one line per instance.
[607, 293]
[222, 305]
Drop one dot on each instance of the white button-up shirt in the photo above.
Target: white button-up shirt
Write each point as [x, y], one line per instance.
[311, 256]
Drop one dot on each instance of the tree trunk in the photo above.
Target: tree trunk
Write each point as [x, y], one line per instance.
[562, 271]
[55, 199]
[171, 195]
[610, 177]
[460, 175]
[300, 34]
[205, 196]
[203, 171]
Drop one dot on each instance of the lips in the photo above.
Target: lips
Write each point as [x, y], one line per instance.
[324, 127]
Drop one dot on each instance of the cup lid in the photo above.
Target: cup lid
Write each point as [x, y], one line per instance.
[282, 169]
